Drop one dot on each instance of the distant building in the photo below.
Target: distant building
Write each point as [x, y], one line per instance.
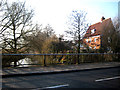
[94, 33]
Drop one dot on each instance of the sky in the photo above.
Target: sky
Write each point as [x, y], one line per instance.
[56, 12]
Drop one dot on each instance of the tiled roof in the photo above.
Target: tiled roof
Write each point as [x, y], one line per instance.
[98, 27]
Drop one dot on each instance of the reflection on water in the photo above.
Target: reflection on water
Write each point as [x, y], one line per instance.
[26, 62]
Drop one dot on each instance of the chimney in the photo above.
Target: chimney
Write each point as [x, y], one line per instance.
[102, 18]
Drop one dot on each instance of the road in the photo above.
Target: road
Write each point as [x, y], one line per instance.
[102, 78]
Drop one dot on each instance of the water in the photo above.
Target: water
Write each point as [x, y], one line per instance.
[26, 62]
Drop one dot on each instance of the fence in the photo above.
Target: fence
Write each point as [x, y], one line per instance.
[54, 59]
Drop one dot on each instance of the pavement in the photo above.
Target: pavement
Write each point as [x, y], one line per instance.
[53, 69]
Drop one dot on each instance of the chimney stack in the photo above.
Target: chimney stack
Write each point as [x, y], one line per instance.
[103, 18]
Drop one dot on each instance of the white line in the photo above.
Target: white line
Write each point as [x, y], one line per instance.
[58, 86]
[105, 79]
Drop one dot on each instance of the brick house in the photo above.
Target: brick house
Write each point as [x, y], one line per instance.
[93, 35]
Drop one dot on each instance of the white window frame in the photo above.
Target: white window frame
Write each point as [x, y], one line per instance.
[90, 40]
[90, 47]
[87, 40]
[94, 39]
[95, 47]
[92, 31]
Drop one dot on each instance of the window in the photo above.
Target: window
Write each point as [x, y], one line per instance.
[95, 40]
[98, 45]
[90, 39]
[90, 47]
[95, 47]
[87, 40]
[93, 31]
[92, 43]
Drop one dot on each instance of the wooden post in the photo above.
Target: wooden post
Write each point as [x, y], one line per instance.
[44, 60]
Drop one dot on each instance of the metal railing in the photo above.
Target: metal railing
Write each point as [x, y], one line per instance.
[59, 58]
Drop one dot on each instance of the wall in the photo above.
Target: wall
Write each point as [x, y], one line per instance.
[93, 42]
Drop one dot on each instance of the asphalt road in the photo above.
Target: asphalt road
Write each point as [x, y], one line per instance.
[102, 78]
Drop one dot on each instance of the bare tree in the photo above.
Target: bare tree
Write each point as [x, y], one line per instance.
[16, 23]
[110, 37]
[77, 27]
[36, 39]
[115, 45]
[2, 3]
[48, 30]
[41, 37]
[2, 10]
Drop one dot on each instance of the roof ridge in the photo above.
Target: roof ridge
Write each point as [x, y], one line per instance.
[107, 19]
[98, 28]
[95, 23]
[100, 22]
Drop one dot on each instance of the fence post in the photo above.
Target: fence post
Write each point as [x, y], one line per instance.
[44, 64]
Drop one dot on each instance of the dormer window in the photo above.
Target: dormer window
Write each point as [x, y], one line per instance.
[93, 31]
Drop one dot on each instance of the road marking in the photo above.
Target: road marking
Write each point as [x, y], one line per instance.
[58, 86]
[105, 79]
[66, 85]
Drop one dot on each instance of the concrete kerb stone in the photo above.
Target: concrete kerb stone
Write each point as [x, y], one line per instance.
[58, 72]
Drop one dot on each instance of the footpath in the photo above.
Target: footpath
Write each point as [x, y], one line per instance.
[41, 70]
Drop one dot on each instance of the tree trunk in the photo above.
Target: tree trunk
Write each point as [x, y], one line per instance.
[15, 63]
[15, 41]
[78, 51]
[44, 63]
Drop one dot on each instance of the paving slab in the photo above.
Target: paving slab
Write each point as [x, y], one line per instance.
[56, 68]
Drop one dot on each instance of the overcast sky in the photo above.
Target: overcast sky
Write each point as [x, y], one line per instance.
[56, 12]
